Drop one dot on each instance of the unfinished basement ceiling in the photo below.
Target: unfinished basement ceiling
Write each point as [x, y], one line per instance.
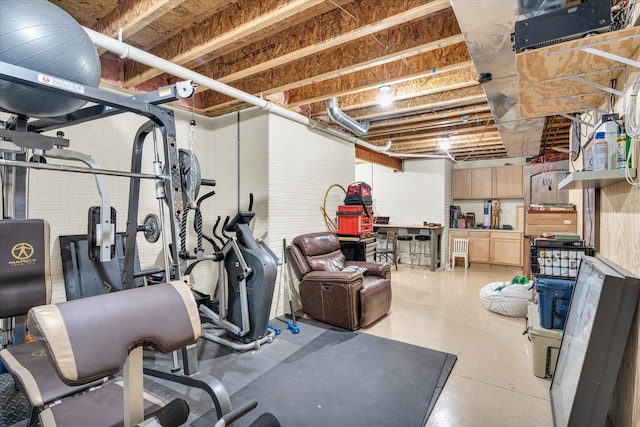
[302, 53]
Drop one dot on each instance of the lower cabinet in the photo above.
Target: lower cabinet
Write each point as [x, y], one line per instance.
[479, 246]
[506, 248]
[491, 247]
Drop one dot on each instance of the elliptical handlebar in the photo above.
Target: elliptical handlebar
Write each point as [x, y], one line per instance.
[224, 227]
[215, 231]
[242, 217]
[198, 227]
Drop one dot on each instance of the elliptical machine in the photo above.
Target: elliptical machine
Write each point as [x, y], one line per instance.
[245, 285]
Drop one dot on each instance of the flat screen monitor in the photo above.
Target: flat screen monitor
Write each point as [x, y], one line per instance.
[84, 277]
[595, 335]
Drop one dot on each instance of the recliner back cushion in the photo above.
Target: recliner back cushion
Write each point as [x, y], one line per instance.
[334, 261]
[321, 251]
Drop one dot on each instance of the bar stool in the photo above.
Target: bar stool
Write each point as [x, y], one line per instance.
[405, 237]
[421, 248]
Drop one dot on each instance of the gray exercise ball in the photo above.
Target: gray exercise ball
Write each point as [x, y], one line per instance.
[40, 36]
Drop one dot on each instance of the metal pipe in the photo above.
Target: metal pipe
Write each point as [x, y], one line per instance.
[126, 51]
[65, 168]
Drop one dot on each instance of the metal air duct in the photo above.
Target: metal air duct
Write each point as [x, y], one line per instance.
[487, 27]
[342, 119]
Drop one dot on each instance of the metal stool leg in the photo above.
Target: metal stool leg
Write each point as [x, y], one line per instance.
[409, 240]
[422, 246]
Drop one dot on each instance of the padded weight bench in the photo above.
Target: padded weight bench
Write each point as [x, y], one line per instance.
[25, 282]
[84, 346]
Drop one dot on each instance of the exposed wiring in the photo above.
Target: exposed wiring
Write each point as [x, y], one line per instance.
[474, 148]
[633, 130]
[591, 211]
[632, 125]
[588, 118]
[574, 144]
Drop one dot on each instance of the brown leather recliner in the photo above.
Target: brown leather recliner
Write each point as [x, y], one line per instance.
[349, 299]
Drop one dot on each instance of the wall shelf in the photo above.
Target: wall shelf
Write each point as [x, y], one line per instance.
[593, 179]
[574, 75]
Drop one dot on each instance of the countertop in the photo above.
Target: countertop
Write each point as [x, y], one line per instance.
[499, 230]
[415, 226]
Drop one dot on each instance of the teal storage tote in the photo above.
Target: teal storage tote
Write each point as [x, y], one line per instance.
[554, 296]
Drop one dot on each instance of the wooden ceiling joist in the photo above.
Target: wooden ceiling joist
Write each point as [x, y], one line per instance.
[401, 70]
[397, 42]
[299, 53]
[436, 101]
[217, 31]
[431, 84]
[445, 125]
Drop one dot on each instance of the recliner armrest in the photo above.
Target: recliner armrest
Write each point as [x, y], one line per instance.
[380, 269]
[333, 276]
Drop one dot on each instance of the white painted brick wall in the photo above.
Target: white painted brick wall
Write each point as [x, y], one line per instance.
[303, 164]
[287, 166]
[419, 193]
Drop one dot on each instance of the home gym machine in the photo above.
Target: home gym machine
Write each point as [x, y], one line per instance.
[23, 147]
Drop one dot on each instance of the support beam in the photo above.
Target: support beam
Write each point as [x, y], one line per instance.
[378, 158]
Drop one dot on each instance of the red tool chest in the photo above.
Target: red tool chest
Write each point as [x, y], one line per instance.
[352, 221]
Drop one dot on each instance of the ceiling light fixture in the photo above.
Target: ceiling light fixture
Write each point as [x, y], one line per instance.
[385, 99]
[445, 143]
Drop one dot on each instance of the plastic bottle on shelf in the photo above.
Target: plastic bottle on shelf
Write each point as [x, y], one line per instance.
[600, 152]
[622, 150]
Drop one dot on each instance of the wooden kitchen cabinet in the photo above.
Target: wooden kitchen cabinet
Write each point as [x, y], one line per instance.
[481, 183]
[506, 248]
[461, 184]
[479, 246]
[491, 247]
[507, 182]
[473, 183]
[502, 182]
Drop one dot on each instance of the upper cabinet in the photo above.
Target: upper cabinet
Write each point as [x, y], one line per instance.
[507, 182]
[481, 183]
[503, 182]
[461, 184]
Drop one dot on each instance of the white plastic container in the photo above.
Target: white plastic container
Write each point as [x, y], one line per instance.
[600, 152]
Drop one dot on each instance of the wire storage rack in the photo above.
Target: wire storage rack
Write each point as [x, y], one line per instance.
[557, 258]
